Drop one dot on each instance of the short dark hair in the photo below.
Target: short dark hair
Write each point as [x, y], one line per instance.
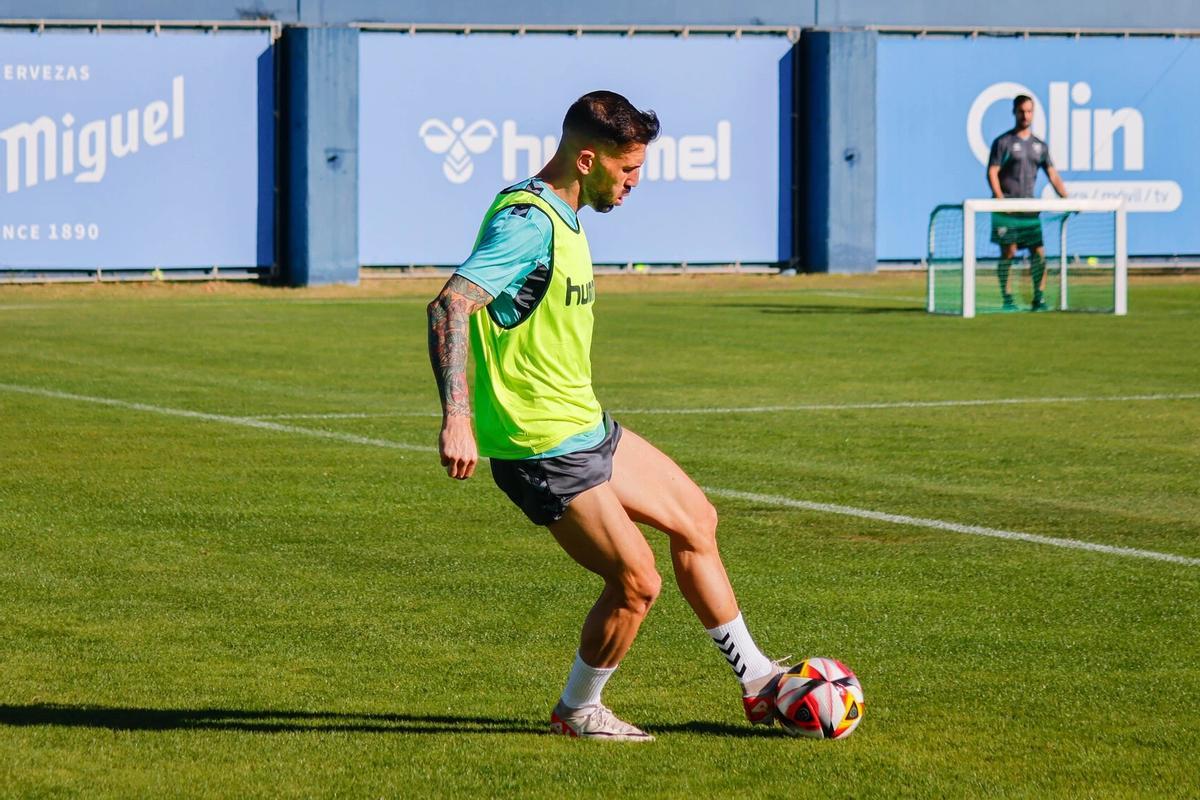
[1020, 99]
[609, 118]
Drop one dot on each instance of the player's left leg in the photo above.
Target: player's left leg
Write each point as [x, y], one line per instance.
[1037, 275]
[655, 491]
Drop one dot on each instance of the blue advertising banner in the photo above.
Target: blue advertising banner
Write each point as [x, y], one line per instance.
[130, 150]
[1119, 117]
[446, 121]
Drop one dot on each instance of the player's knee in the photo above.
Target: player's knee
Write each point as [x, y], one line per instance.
[641, 588]
[700, 531]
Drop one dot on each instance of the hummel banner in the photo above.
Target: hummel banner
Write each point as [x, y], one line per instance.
[446, 121]
[131, 150]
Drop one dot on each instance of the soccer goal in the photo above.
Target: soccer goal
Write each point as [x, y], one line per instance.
[1084, 256]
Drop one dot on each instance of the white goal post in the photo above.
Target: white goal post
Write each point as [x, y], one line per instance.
[1066, 208]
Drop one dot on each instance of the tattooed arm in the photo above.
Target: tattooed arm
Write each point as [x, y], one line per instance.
[449, 318]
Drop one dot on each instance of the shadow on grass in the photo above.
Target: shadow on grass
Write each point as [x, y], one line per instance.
[272, 721]
[820, 308]
[265, 721]
[714, 729]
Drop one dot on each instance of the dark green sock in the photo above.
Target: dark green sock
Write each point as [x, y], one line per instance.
[1037, 269]
[1002, 274]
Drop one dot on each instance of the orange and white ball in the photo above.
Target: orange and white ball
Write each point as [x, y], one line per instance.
[819, 698]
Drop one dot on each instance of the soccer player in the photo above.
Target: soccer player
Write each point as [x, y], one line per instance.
[526, 294]
[1012, 172]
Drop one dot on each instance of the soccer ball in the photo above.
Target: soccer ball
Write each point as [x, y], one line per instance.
[819, 698]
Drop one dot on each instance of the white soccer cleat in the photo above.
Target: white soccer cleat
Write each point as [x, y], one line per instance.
[758, 698]
[594, 722]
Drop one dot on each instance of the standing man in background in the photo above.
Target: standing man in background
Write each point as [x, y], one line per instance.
[1012, 172]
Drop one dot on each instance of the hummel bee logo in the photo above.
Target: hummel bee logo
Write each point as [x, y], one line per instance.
[458, 142]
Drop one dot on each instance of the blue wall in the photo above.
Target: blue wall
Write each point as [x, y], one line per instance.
[1012, 13]
[837, 116]
[642, 12]
[320, 73]
[804, 13]
[283, 10]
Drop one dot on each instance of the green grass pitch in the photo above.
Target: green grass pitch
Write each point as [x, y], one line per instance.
[194, 606]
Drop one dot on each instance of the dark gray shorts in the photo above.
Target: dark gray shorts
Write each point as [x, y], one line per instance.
[543, 488]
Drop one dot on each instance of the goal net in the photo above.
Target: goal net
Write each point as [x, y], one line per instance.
[1082, 265]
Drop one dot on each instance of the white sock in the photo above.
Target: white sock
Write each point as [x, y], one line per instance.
[584, 684]
[734, 641]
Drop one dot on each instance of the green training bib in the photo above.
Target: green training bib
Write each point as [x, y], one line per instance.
[533, 377]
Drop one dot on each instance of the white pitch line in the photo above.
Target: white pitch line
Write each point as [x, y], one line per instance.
[25, 306]
[1002, 401]
[340, 415]
[954, 527]
[766, 499]
[246, 422]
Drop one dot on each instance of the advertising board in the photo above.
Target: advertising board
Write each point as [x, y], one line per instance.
[1118, 116]
[446, 121]
[136, 150]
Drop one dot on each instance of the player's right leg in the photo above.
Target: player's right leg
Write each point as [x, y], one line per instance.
[1008, 254]
[597, 533]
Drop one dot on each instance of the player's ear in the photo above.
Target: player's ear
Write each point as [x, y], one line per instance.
[585, 161]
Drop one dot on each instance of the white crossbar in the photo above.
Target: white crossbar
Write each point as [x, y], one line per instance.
[1051, 204]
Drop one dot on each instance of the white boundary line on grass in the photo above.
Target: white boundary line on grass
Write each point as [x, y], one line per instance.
[733, 494]
[954, 527]
[246, 422]
[342, 415]
[23, 306]
[999, 401]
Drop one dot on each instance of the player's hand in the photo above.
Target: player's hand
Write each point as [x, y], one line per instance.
[457, 448]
